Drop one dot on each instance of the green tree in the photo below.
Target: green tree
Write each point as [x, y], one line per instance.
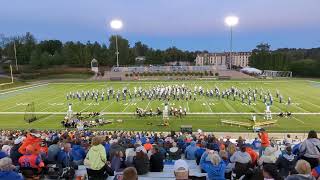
[50, 46]
[140, 49]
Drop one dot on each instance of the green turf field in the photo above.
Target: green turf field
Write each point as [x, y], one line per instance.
[50, 100]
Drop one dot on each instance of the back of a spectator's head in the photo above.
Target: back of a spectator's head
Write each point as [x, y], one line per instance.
[130, 173]
[181, 170]
[270, 171]
[288, 149]
[96, 141]
[6, 164]
[214, 158]
[232, 148]
[312, 134]
[303, 167]
[223, 154]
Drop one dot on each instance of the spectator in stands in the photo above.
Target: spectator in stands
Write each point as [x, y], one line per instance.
[286, 162]
[96, 160]
[304, 170]
[316, 172]
[33, 138]
[310, 149]
[265, 142]
[241, 156]
[174, 152]
[190, 151]
[240, 141]
[181, 170]
[269, 156]
[117, 162]
[215, 167]
[115, 147]
[53, 151]
[30, 163]
[78, 154]
[232, 148]
[156, 160]
[227, 141]
[256, 144]
[141, 161]
[254, 156]
[242, 161]
[229, 166]
[65, 158]
[14, 153]
[130, 173]
[200, 151]
[147, 146]
[287, 140]
[129, 154]
[270, 172]
[7, 170]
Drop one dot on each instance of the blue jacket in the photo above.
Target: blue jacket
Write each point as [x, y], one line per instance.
[198, 154]
[64, 159]
[215, 172]
[191, 151]
[78, 153]
[10, 175]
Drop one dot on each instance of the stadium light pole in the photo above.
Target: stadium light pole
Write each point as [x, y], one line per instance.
[116, 24]
[231, 21]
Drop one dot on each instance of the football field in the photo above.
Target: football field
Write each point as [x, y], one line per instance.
[204, 112]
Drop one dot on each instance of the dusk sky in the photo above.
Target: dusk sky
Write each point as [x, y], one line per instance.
[186, 24]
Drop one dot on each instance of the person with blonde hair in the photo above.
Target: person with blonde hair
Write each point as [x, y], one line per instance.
[96, 160]
[304, 170]
[215, 168]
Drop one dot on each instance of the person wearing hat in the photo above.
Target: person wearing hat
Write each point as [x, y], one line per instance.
[141, 161]
[181, 170]
[156, 160]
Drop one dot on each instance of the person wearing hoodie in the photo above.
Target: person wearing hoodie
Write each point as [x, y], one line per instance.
[304, 170]
[242, 161]
[310, 149]
[141, 161]
[7, 170]
[286, 162]
[53, 151]
[215, 168]
[78, 154]
[269, 156]
[96, 160]
[156, 160]
[115, 147]
[190, 151]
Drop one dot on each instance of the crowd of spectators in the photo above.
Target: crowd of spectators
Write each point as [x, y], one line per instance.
[126, 155]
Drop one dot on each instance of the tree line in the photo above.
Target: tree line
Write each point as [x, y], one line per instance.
[302, 62]
[46, 53]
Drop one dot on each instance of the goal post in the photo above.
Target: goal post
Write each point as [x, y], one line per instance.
[29, 115]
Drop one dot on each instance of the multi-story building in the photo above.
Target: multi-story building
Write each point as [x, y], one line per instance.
[239, 59]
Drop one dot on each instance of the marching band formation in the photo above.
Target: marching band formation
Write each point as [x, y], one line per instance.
[247, 96]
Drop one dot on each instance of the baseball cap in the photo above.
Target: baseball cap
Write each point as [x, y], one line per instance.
[180, 166]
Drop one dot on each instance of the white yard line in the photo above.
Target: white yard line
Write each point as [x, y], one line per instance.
[298, 120]
[107, 106]
[194, 113]
[147, 105]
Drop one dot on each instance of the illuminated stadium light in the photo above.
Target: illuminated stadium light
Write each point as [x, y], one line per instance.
[116, 24]
[231, 21]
